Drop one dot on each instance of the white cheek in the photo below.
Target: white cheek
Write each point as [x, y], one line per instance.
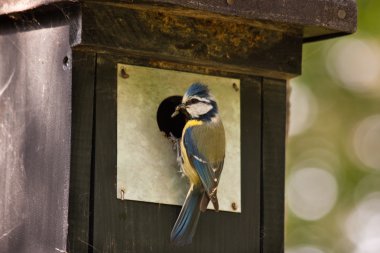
[198, 109]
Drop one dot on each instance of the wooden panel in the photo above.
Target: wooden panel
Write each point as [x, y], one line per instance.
[208, 41]
[319, 18]
[273, 165]
[44, 17]
[35, 128]
[129, 226]
[81, 150]
[251, 132]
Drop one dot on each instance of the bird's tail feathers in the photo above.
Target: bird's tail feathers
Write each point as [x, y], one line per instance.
[187, 221]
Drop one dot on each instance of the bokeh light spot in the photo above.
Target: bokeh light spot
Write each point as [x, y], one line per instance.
[303, 108]
[311, 193]
[304, 249]
[356, 64]
[366, 142]
[363, 224]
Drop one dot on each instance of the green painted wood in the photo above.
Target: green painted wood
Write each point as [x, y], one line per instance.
[83, 81]
[273, 165]
[131, 226]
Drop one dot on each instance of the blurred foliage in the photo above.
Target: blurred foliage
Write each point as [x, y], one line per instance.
[368, 17]
[339, 112]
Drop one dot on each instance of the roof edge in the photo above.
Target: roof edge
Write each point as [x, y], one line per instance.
[322, 17]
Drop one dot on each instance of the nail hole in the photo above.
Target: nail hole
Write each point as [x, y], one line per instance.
[234, 206]
[65, 61]
[165, 122]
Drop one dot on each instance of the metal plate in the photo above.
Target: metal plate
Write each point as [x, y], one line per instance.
[147, 169]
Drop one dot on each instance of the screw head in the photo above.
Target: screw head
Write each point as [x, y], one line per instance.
[124, 74]
[122, 192]
[342, 14]
[235, 87]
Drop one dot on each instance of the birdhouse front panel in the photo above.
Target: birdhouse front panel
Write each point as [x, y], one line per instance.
[129, 94]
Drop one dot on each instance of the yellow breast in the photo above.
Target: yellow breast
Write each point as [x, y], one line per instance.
[188, 169]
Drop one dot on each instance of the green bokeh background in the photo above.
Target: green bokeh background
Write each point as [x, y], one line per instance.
[340, 110]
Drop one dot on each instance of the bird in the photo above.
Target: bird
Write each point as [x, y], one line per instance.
[202, 149]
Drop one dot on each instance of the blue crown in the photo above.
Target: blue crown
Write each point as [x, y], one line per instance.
[198, 89]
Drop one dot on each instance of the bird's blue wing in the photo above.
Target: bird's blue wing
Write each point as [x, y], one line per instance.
[200, 162]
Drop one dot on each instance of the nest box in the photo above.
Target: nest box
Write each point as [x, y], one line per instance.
[86, 89]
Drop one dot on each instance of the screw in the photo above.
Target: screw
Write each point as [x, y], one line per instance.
[341, 14]
[236, 88]
[124, 74]
[234, 206]
[122, 194]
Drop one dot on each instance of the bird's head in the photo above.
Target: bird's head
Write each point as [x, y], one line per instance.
[197, 103]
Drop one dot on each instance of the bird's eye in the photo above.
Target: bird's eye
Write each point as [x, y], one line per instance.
[193, 101]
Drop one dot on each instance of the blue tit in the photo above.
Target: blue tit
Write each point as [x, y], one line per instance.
[202, 150]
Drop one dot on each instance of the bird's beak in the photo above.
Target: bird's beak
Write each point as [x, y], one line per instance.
[178, 109]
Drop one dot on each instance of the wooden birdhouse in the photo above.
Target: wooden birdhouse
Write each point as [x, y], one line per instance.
[86, 88]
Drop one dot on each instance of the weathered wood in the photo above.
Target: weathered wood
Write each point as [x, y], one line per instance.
[240, 39]
[44, 17]
[84, 65]
[317, 18]
[226, 44]
[131, 226]
[251, 132]
[273, 165]
[35, 128]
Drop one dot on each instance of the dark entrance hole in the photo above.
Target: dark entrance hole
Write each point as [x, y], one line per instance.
[165, 122]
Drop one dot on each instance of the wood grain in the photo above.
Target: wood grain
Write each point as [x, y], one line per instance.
[223, 43]
[273, 165]
[318, 19]
[81, 151]
[131, 226]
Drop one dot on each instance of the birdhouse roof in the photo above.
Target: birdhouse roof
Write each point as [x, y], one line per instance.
[319, 19]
